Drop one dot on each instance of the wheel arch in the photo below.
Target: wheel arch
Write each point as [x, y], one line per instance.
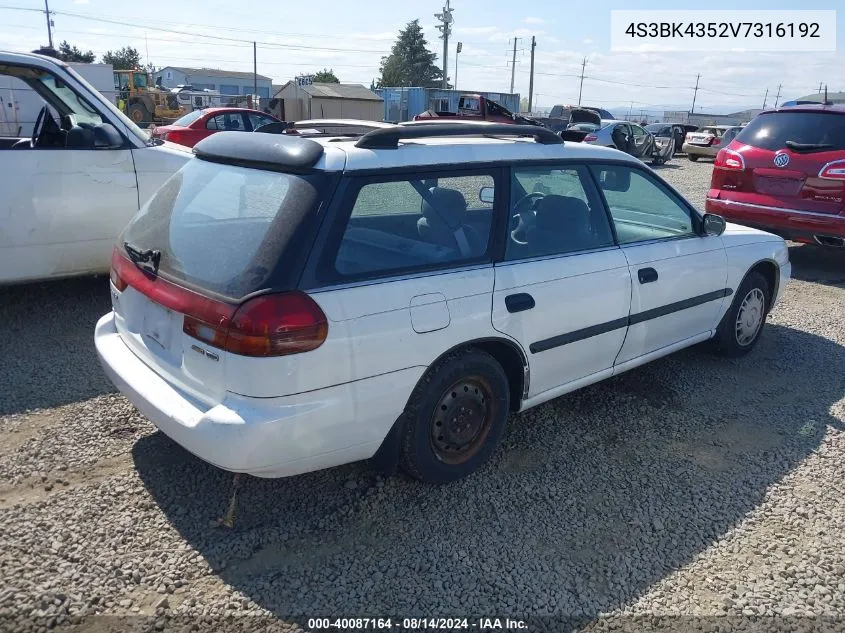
[508, 353]
[771, 273]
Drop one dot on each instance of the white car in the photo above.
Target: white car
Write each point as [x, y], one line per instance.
[285, 304]
[73, 171]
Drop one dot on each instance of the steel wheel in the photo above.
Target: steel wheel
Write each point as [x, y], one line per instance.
[462, 420]
[750, 316]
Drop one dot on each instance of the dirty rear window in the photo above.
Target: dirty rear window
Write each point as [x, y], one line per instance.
[772, 130]
[224, 228]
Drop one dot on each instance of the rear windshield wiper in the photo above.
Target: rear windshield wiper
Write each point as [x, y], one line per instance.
[144, 259]
[807, 147]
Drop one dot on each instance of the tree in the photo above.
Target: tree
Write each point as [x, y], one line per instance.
[68, 53]
[410, 63]
[326, 77]
[127, 58]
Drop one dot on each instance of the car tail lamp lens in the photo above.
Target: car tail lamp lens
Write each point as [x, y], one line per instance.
[269, 325]
[277, 325]
[117, 263]
[715, 141]
[730, 160]
[590, 137]
[833, 171]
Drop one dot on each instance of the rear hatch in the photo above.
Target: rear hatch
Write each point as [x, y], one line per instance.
[212, 237]
[786, 158]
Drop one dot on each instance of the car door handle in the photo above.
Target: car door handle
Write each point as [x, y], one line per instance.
[647, 275]
[519, 302]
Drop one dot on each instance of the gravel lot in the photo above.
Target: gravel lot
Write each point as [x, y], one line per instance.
[706, 492]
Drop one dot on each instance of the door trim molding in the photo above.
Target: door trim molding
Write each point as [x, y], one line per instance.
[633, 319]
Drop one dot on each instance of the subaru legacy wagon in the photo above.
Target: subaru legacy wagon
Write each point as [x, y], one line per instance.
[290, 303]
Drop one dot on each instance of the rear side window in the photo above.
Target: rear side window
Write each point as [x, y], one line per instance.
[224, 228]
[771, 131]
[413, 223]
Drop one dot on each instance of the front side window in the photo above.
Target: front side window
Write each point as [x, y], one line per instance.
[554, 212]
[257, 120]
[416, 222]
[642, 208]
[638, 131]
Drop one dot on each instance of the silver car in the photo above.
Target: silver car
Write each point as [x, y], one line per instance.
[632, 139]
[708, 140]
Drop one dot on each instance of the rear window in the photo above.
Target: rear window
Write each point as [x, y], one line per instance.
[189, 118]
[225, 229]
[771, 131]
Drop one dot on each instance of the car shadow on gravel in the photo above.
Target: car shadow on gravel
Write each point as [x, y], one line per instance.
[816, 264]
[593, 498]
[47, 345]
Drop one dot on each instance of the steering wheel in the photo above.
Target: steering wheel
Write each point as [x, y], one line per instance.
[523, 220]
[40, 125]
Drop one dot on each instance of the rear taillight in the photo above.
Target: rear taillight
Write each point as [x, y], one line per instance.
[730, 160]
[114, 274]
[590, 137]
[834, 170]
[269, 325]
[715, 141]
[687, 137]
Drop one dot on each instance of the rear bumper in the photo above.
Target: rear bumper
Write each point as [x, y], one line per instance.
[265, 437]
[791, 224]
[700, 150]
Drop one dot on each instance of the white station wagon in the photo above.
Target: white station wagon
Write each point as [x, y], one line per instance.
[285, 304]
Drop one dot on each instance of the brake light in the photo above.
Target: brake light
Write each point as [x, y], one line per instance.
[590, 137]
[114, 274]
[715, 141]
[834, 170]
[729, 160]
[688, 137]
[269, 325]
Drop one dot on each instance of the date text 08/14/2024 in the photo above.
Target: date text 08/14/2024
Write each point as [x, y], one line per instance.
[416, 624]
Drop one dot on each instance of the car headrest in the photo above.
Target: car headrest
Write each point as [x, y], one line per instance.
[445, 206]
[562, 213]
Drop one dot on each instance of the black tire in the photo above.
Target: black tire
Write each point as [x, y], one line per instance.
[469, 381]
[139, 113]
[692, 157]
[728, 336]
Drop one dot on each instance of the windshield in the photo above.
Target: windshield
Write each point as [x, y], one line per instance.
[140, 80]
[189, 118]
[83, 111]
[223, 228]
[129, 127]
[772, 131]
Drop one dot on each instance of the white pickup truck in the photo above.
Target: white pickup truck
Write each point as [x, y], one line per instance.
[70, 188]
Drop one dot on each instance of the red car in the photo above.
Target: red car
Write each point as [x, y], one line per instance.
[785, 173]
[197, 125]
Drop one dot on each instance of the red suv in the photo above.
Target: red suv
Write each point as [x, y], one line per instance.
[785, 173]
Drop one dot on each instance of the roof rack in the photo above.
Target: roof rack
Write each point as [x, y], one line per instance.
[388, 138]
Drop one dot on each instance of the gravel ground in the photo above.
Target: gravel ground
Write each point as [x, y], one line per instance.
[692, 493]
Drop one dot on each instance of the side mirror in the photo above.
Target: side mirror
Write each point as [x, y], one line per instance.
[106, 136]
[713, 224]
[487, 195]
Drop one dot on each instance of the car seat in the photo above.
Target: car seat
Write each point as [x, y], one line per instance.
[444, 211]
[562, 225]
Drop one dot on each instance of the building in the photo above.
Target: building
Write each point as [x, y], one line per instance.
[292, 102]
[226, 82]
[700, 118]
[403, 104]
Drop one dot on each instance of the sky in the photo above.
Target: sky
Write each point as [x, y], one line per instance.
[351, 37]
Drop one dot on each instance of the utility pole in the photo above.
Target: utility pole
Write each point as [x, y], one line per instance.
[777, 98]
[583, 65]
[50, 25]
[630, 107]
[820, 87]
[445, 28]
[766, 96]
[255, 73]
[531, 79]
[695, 94]
[513, 64]
[458, 49]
